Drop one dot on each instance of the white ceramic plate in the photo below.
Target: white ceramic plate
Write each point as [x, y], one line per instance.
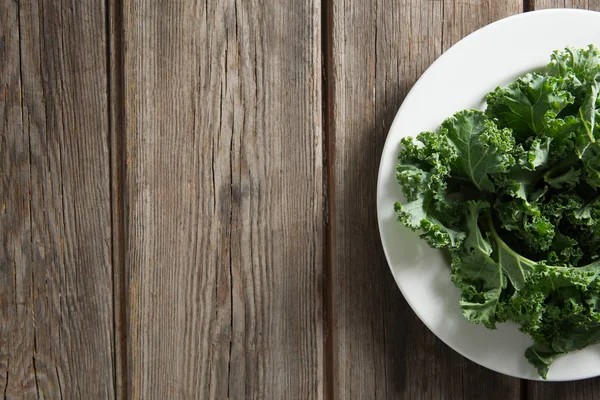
[494, 55]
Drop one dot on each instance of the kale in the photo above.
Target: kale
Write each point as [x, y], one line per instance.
[513, 193]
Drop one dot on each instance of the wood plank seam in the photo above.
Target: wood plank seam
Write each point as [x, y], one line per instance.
[328, 196]
[115, 75]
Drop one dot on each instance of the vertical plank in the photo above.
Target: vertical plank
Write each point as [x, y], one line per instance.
[224, 199]
[117, 144]
[380, 348]
[589, 388]
[56, 335]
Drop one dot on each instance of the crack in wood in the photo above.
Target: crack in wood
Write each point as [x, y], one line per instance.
[35, 374]
[60, 391]
[6, 382]
[231, 205]
[328, 190]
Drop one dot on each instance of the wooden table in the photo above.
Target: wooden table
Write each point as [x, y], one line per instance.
[187, 208]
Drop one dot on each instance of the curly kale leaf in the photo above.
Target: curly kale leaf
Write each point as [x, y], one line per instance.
[583, 64]
[419, 216]
[422, 170]
[587, 115]
[564, 303]
[526, 220]
[556, 305]
[537, 156]
[563, 133]
[481, 147]
[528, 105]
[564, 179]
[474, 271]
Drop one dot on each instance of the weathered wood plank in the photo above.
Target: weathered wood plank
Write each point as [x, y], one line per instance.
[224, 199]
[380, 348]
[584, 4]
[578, 390]
[117, 144]
[56, 335]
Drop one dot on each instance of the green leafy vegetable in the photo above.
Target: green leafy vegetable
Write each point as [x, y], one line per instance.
[482, 148]
[513, 193]
[529, 104]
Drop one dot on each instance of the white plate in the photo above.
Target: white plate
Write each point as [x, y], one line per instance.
[494, 55]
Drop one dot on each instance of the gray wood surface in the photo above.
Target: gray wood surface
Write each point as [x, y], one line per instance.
[56, 307]
[188, 194]
[224, 199]
[583, 4]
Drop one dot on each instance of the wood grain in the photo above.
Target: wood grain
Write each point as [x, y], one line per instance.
[164, 199]
[583, 4]
[56, 335]
[224, 199]
[380, 348]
